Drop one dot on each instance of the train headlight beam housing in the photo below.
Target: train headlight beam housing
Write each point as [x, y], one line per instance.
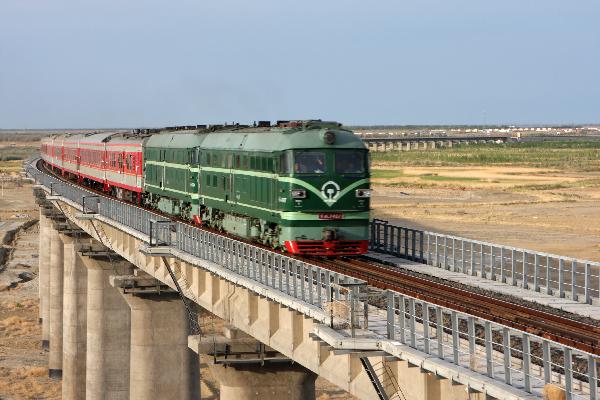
[363, 193]
[298, 193]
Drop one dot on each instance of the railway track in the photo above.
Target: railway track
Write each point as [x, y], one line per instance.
[554, 327]
[570, 332]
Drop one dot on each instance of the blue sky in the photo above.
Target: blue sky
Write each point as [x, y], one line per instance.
[109, 63]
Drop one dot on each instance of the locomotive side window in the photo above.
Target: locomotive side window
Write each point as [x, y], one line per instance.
[285, 163]
[196, 156]
[309, 162]
[350, 162]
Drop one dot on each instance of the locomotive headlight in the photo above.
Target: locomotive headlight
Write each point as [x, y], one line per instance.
[298, 193]
[363, 193]
[329, 137]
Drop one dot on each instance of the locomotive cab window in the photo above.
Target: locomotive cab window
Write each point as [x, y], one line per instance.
[350, 162]
[309, 162]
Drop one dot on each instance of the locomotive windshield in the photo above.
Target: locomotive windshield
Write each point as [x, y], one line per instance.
[350, 162]
[309, 162]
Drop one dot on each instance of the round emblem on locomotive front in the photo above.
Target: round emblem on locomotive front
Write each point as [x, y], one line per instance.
[330, 191]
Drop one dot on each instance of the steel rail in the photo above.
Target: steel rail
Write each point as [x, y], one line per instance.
[560, 329]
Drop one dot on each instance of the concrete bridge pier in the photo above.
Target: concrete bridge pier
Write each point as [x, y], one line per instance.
[56, 303]
[414, 383]
[269, 381]
[74, 320]
[162, 365]
[108, 329]
[44, 278]
[246, 369]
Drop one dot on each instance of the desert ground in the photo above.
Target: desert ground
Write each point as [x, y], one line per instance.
[546, 202]
[23, 364]
[544, 199]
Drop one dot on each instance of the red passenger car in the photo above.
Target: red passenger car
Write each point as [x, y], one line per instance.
[111, 161]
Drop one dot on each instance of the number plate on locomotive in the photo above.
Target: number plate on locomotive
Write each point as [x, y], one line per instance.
[331, 215]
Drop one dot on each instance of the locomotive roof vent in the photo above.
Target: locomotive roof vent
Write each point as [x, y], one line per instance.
[318, 124]
[145, 131]
[180, 128]
[291, 124]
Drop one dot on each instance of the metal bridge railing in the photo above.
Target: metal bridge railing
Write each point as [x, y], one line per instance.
[517, 358]
[541, 272]
[303, 281]
[133, 217]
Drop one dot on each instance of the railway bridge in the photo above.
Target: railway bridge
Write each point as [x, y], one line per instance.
[408, 143]
[121, 288]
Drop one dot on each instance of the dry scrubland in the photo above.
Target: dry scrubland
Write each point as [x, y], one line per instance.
[543, 196]
[23, 365]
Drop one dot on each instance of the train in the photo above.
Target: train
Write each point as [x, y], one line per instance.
[299, 186]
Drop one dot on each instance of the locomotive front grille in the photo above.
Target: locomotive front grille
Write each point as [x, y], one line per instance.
[327, 248]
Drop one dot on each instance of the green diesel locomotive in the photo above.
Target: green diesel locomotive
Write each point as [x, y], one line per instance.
[299, 185]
